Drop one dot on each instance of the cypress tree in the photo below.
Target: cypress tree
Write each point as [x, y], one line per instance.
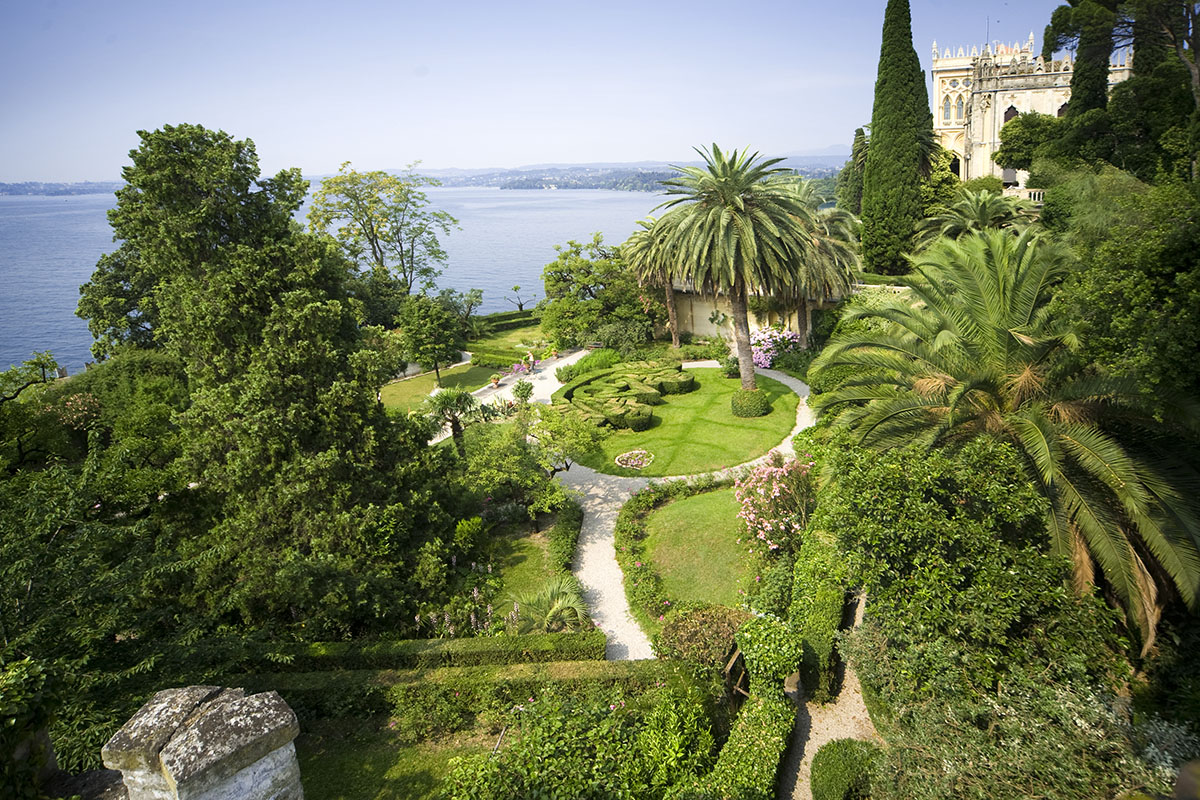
[901, 130]
[1089, 25]
[850, 180]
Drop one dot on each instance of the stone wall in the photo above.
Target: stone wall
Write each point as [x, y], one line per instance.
[208, 743]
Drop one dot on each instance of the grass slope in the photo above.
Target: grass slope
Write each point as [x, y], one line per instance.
[693, 546]
[697, 432]
[407, 394]
[362, 760]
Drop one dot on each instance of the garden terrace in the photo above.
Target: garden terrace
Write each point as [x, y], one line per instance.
[695, 432]
[622, 397]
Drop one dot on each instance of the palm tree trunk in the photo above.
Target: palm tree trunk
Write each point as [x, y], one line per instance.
[672, 319]
[741, 333]
[456, 433]
[805, 320]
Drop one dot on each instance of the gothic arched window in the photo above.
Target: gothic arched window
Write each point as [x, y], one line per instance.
[1011, 113]
[958, 108]
[946, 110]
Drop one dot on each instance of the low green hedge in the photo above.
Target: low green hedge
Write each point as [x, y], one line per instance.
[422, 653]
[564, 539]
[508, 316]
[818, 600]
[746, 767]
[750, 403]
[431, 702]
[605, 358]
[496, 359]
[841, 770]
[772, 652]
[513, 324]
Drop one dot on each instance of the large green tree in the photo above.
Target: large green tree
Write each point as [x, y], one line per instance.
[972, 350]
[190, 194]
[901, 136]
[384, 223]
[592, 295]
[430, 334]
[737, 226]
[1089, 25]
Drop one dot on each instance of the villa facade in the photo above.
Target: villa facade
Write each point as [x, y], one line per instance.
[975, 93]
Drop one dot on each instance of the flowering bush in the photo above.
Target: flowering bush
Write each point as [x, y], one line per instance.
[635, 459]
[776, 499]
[770, 343]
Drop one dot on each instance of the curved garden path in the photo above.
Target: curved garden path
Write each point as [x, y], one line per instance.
[602, 496]
[596, 567]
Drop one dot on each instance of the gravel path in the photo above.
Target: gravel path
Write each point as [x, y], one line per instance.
[845, 718]
[596, 558]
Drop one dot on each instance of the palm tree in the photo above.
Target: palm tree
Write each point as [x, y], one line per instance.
[557, 607]
[826, 270]
[645, 252]
[736, 227]
[971, 350]
[972, 212]
[451, 407]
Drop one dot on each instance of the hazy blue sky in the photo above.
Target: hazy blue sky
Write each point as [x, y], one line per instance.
[454, 84]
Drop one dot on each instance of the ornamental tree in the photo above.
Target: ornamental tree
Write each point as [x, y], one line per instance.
[901, 139]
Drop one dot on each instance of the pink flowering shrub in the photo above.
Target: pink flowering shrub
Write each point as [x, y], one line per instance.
[769, 344]
[776, 500]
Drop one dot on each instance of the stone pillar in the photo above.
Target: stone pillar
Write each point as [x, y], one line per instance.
[208, 743]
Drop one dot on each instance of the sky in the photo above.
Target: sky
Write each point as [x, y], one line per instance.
[466, 83]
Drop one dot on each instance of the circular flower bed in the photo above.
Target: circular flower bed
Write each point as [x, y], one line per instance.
[634, 459]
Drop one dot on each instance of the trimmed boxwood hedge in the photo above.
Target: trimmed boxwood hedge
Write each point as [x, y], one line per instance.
[509, 316]
[421, 653]
[746, 767]
[424, 702]
[750, 403]
[841, 770]
[818, 600]
[623, 396]
[564, 538]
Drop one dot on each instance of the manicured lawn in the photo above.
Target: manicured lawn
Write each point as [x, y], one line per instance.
[693, 546]
[521, 339]
[407, 394]
[361, 760]
[521, 557]
[697, 432]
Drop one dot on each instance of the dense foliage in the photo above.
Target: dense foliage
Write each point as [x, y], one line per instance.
[592, 296]
[841, 770]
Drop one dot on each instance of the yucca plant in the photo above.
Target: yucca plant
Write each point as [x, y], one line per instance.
[970, 350]
[558, 606]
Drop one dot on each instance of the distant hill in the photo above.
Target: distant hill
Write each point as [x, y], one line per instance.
[37, 187]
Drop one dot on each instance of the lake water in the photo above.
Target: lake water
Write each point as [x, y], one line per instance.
[50, 245]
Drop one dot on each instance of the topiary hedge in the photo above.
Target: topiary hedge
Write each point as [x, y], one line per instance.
[750, 403]
[746, 767]
[623, 397]
[772, 652]
[841, 770]
[424, 703]
[818, 600]
[411, 653]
